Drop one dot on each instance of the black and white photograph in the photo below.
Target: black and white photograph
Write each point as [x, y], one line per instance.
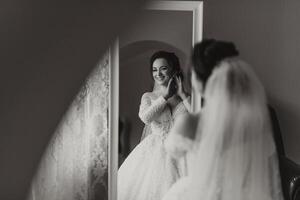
[150, 100]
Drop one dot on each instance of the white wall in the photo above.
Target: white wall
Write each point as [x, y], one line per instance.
[267, 33]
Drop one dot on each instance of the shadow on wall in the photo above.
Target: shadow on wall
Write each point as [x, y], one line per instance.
[289, 116]
[47, 50]
[135, 79]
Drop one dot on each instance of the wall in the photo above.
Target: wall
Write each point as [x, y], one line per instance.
[47, 50]
[267, 34]
[75, 163]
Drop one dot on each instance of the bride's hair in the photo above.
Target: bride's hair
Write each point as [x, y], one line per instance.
[172, 60]
[236, 157]
[208, 53]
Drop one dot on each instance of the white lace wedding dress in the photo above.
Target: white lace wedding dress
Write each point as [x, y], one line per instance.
[181, 146]
[148, 172]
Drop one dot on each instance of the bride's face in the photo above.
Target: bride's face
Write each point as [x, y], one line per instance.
[161, 71]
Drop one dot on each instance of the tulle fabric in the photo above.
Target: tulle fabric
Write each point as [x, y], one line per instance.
[235, 156]
[146, 132]
[182, 148]
[148, 172]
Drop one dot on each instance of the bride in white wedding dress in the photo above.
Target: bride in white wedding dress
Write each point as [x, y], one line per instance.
[148, 172]
[231, 154]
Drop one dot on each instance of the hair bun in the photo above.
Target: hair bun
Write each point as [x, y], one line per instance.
[208, 53]
[217, 51]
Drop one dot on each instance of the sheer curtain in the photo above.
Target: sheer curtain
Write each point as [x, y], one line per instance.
[74, 165]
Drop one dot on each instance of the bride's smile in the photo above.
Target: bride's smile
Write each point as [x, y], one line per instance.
[161, 71]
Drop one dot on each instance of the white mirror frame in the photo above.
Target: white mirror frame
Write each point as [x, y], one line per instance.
[196, 7]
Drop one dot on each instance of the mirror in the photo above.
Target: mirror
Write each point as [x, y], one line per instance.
[157, 30]
[163, 26]
[172, 26]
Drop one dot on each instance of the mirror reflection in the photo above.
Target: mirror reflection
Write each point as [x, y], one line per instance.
[165, 31]
[154, 91]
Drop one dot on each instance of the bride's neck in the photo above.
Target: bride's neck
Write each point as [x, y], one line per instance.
[160, 89]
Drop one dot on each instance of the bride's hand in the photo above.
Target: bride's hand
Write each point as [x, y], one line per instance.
[171, 88]
[180, 91]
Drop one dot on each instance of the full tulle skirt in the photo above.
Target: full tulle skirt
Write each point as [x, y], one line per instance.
[148, 172]
[179, 190]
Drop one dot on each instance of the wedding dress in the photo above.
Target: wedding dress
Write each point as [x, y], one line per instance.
[182, 147]
[148, 172]
[233, 156]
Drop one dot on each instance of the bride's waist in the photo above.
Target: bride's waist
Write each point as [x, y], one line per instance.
[159, 130]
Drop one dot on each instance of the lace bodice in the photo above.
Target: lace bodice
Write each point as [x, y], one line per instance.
[154, 111]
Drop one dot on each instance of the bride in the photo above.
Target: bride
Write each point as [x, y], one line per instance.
[148, 172]
[232, 155]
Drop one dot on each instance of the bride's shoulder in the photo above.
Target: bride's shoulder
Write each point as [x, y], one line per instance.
[149, 95]
[181, 137]
[186, 125]
[188, 119]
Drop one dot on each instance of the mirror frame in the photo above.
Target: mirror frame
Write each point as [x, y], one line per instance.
[196, 7]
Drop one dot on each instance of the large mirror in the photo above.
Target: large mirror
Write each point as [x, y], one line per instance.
[169, 26]
[168, 31]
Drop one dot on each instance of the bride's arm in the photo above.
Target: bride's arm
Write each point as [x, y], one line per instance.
[151, 109]
[185, 97]
[181, 137]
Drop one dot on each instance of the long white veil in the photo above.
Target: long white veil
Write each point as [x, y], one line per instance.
[236, 157]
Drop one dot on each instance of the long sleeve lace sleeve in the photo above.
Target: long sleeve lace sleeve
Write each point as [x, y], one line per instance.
[151, 109]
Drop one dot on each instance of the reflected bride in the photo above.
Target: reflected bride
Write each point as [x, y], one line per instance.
[148, 172]
[232, 154]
